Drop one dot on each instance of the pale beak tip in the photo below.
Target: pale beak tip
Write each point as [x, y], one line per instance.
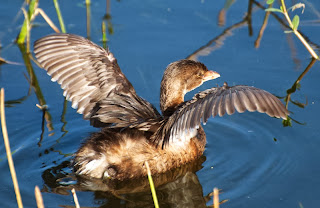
[209, 75]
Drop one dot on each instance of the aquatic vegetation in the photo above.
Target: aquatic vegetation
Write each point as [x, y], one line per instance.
[294, 23]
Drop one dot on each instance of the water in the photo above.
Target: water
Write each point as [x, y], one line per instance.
[253, 159]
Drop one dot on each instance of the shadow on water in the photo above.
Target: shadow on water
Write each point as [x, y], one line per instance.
[46, 116]
[296, 85]
[34, 84]
[180, 186]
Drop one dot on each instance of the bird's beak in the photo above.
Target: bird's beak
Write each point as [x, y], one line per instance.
[209, 75]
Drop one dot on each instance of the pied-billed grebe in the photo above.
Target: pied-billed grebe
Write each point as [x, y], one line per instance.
[133, 131]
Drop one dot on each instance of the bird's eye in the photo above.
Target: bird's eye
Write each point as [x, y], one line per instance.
[200, 74]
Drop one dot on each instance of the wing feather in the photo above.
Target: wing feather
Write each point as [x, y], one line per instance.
[258, 100]
[229, 106]
[270, 110]
[207, 112]
[238, 103]
[215, 106]
[218, 101]
[221, 106]
[92, 80]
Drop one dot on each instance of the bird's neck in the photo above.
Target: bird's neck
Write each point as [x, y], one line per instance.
[171, 95]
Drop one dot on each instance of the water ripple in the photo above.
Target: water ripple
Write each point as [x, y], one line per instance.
[244, 152]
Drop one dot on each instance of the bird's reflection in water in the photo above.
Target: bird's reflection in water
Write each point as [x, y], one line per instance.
[176, 188]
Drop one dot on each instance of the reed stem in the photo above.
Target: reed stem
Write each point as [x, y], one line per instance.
[216, 198]
[39, 198]
[75, 198]
[8, 150]
[297, 33]
[56, 5]
[104, 35]
[153, 190]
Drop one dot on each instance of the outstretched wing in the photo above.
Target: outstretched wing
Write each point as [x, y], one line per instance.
[218, 101]
[92, 80]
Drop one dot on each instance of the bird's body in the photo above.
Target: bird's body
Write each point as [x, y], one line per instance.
[122, 155]
[133, 131]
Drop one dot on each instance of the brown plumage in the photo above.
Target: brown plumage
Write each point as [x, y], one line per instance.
[133, 130]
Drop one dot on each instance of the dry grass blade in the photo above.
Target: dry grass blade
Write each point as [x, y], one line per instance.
[7, 146]
[47, 19]
[2, 61]
[75, 198]
[216, 198]
[39, 199]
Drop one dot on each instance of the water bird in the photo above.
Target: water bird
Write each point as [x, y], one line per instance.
[132, 130]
